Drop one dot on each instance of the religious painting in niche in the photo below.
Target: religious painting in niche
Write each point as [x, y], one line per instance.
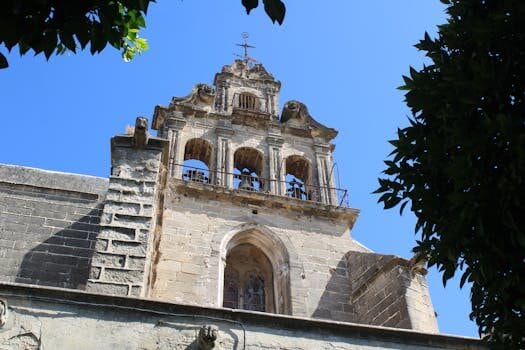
[248, 280]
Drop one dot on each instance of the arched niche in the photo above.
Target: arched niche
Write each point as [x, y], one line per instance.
[248, 168]
[248, 101]
[197, 160]
[255, 246]
[299, 182]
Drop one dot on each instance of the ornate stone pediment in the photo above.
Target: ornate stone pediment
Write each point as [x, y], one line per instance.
[295, 115]
[202, 95]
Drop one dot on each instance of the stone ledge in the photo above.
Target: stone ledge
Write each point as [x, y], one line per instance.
[48, 295]
[264, 200]
[20, 175]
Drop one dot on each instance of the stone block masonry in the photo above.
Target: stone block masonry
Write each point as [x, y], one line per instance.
[121, 259]
[48, 225]
[69, 319]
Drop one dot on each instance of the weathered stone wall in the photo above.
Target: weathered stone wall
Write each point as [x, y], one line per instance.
[124, 246]
[49, 222]
[386, 292]
[43, 318]
[195, 232]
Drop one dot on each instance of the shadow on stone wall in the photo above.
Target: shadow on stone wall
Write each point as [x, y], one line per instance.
[64, 258]
[335, 300]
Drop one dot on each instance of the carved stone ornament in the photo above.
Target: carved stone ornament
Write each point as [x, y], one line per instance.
[3, 312]
[296, 113]
[140, 135]
[207, 337]
[201, 95]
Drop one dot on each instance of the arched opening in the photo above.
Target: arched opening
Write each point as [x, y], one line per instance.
[248, 166]
[197, 161]
[248, 101]
[248, 280]
[298, 178]
[254, 272]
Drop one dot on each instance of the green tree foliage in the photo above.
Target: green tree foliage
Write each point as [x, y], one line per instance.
[57, 26]
[461, 162]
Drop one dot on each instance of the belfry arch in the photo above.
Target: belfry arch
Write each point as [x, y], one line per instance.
[248, 169]
[298, 177]
[265, 269]
[197, 160]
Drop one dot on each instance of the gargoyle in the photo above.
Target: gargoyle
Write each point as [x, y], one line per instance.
[207, 336]
[294, 110]
[3, 312]
[140, 134]
[417, 264]
[296, 114]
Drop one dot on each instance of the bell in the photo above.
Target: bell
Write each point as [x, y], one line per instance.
[246, 183]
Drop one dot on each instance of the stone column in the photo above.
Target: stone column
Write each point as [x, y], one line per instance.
[224, 161]
[277, 171]
[325, 174]
[175, 123]
[122, 253]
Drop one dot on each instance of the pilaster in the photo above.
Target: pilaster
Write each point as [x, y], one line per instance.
[276, 167]
[175, 123]
[224, 162]
[325, 174]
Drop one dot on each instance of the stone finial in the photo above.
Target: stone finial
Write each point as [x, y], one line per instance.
[140, 135]
[3, 312]
[207, 336]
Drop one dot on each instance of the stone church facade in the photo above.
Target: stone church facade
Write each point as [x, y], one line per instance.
[225, 230]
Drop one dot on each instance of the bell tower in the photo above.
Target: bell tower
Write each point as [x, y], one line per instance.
[234, 205]
[248, 193]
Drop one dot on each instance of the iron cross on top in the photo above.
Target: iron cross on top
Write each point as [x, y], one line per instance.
[247, 59]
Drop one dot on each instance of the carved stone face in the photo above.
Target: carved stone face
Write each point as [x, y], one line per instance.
[208, 333]
[292, 106]
[206, 89]
[141, 123]
[3, 312]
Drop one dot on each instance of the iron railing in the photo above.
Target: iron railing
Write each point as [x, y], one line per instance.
[250, 183]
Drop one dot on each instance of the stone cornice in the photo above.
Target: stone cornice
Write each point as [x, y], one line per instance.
[60, 298]
[265, 200]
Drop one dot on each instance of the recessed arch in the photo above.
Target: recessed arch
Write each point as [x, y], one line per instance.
[259, 238]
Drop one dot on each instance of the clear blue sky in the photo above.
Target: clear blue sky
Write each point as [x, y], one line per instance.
[343, 58]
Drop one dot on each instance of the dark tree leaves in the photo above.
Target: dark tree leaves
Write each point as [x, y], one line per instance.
[56, 27]
[250, 5]
[3, 62]
[461, 161]
[275, 9]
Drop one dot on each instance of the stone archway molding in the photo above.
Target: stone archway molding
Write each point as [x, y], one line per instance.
[275, 250]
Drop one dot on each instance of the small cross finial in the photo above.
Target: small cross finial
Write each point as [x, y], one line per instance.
[246, 58]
